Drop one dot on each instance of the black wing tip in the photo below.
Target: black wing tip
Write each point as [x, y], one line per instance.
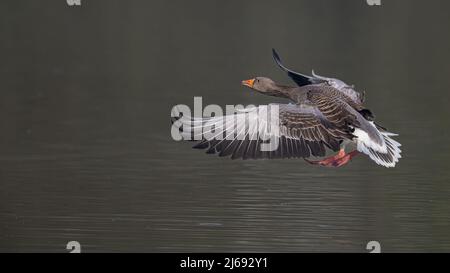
[277, 59]
[275, 55]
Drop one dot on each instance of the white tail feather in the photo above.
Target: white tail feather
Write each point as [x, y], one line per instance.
[387, 159]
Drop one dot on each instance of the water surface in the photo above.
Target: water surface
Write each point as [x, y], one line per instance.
[85, 146]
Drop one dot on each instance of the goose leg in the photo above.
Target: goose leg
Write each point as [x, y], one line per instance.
[335, 161]
[345, 159]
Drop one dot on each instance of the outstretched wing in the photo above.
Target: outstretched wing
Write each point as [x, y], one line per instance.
[301, 80]
[299, 131]
[298, 78]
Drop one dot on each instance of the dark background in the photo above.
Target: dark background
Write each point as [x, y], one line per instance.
[85, 146]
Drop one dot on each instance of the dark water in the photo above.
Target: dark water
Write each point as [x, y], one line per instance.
[85, 146]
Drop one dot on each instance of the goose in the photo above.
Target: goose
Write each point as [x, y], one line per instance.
[323, 114]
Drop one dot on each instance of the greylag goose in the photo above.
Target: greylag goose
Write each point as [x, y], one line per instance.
[323, 113]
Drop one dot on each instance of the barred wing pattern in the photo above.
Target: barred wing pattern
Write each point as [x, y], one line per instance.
[303, 131]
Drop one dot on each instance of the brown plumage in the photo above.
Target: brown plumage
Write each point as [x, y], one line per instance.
[323, 113]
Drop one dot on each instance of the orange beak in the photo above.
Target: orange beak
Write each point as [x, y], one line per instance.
[248, 83]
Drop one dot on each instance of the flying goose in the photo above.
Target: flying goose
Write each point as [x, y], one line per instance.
[324, 113]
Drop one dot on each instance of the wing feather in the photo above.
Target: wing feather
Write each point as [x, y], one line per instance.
[304, 131]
